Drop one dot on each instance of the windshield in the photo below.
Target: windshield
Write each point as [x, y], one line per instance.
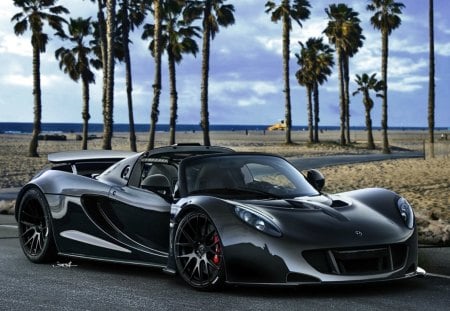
[245, 176]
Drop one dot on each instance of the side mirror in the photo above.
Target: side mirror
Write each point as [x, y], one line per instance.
[316, 179]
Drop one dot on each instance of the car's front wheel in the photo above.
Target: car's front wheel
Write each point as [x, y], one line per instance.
[35, 231]
[198, 252]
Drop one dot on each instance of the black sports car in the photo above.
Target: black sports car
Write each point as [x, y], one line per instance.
[215, 216]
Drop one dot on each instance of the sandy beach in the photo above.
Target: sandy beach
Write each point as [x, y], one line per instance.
[425, 183]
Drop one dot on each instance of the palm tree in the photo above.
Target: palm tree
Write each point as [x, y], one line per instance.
[386, 18]
[177, 39]
[131, 14]
[298, 11]
[345, 33]
[75, 62]
[431, 86]
[214, 13]
[33, 16]
[157, 51]
[365, 85]
[316, 59]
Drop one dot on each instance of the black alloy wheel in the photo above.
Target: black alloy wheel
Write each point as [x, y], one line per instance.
[35, 232]
[198, 252]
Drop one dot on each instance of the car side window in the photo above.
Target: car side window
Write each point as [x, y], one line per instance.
[160, 178]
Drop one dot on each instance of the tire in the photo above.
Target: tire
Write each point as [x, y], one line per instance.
[35, 228]
[199, 252]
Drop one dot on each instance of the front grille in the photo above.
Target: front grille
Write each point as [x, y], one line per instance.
[373, 260]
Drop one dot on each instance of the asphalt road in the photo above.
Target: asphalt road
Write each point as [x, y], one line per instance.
[97, 286]
[322, 161]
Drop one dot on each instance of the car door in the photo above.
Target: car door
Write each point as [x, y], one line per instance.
[141, 217]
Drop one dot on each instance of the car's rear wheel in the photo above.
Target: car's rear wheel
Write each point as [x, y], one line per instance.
[198, 252]
[35, 230]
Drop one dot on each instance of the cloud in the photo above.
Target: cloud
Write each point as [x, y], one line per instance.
[259, 88]
[251, 101]
[442, 49]
[367, 60]
[12, 44]
[408, 46]
[47, 81]
[311, 28]
[401, 66]
[408, 84]
[18, 80]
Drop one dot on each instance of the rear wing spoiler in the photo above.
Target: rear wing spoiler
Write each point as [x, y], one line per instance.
[88, 156]
[86, 162]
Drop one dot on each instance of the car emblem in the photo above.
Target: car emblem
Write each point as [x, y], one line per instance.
[358, 233]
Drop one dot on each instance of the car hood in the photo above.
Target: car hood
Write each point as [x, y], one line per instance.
[333, 220]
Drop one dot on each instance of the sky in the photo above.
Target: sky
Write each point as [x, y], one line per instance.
[245, 84]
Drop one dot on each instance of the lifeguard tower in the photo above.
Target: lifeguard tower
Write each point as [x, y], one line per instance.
[280, 126]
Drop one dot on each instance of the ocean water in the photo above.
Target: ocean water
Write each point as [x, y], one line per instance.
[24, 128]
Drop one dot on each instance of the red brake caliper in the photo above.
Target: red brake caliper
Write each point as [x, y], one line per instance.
[216, 258]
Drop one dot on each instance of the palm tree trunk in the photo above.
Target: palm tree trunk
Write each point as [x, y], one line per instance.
[347, 98]
[431, 85]
[204, 121]
[370, 142]
[128, 77]
[32, 151]
[129, 83]
[109, 104]
[157, 78]
[384, 68]
[103, 50]
[310, 113]
[173, 97]
[367, 100]
[287, 91]
[85, 114]
[316, 112]
[341, 95]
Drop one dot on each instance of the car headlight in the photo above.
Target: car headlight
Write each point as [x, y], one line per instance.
[406, 212]
[258, 221]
